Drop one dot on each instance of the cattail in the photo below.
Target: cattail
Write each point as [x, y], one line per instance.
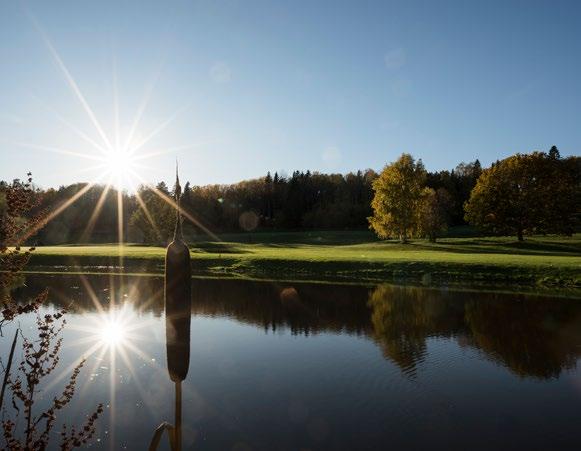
[178, 293]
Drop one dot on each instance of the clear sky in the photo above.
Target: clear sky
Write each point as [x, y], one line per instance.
[237, 88]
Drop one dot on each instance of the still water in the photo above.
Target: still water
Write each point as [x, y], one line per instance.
[285, 366]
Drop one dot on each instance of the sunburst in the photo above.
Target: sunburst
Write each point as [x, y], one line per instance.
[116, 330]
[112, 336]
[117, 160]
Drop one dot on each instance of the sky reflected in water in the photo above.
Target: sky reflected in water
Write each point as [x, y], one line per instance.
[305, 366]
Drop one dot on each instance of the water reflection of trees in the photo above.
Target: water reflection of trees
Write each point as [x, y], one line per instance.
[404, 317]
[533, 336]
[300, 308]
[78, 293]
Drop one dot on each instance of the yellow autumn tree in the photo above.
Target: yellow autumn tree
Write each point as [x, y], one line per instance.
[397, 196]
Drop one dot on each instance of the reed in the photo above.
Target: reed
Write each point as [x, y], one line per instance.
[178, 295]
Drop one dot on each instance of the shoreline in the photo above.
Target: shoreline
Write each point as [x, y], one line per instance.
[368, 263]
[558, 292]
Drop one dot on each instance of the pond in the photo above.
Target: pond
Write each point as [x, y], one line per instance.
[289, 366]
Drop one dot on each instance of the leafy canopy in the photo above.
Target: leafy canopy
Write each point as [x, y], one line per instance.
[398, 192]
[526, 194]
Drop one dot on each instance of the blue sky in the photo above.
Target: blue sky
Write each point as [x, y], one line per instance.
[252, 86]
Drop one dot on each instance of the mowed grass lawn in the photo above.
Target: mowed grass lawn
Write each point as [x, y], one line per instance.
[354, 256]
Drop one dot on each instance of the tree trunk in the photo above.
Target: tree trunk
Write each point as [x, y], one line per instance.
[519, 235]
[403, 236]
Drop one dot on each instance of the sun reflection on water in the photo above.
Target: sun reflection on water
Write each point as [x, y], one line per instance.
[112, 340]
[118, 329]
[113, 333]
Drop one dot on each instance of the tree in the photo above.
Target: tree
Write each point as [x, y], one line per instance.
[525, 194]
[398, 192]
[433, 212]
[459, 184]
[563, 211]
[154, 220]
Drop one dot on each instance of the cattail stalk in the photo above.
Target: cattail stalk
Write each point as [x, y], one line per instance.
[178, 303]
[178, 310]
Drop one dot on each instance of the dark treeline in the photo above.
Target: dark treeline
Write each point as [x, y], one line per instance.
[459, 183]
[303, 200]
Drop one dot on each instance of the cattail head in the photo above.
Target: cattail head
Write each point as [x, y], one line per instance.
[178, 297]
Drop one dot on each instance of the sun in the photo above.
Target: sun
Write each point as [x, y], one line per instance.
[119, 153]
[120, 164]
[118, 160]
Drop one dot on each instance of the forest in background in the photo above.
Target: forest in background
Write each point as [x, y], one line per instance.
[304, 200]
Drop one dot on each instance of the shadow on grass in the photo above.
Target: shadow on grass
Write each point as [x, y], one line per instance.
[404, 272]
[288, 239]
[492, 246]
[216, 248]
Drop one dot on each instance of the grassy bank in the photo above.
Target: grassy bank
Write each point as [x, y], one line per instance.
[547, 261]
